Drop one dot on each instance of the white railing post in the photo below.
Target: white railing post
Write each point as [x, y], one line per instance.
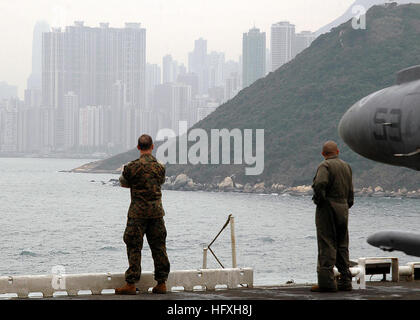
[205, 258]
[360, 279]
[233, 240]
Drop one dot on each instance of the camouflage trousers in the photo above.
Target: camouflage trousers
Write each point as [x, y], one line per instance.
[333, 244]
[155, 232]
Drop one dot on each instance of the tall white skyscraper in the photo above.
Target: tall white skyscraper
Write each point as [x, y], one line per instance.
[282, 40]
[53, 68]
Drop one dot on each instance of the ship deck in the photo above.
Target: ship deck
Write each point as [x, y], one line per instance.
[374, 291]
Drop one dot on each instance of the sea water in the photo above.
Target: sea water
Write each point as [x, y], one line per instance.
[75, 220]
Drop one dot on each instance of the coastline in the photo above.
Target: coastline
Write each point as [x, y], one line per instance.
[183, 183]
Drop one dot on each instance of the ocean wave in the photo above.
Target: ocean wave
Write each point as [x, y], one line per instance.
[109, 248]
[58, 252]
[266, 239]
[28, 253]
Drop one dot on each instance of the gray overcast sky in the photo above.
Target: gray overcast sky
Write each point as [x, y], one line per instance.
[172, 25]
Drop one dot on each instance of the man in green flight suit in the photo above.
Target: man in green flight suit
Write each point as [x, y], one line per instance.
[144, 177]
[333, 196]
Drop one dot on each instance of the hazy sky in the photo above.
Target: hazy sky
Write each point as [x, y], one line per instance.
[172, 25]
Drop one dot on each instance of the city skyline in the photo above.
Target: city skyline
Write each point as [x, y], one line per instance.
[165, 33]
[94, 91]
[97, 90]
[168, 64]
[91, 87]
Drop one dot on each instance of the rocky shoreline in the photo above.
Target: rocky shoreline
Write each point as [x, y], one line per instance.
[184, 183]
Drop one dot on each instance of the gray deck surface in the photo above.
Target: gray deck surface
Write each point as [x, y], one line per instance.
[374, 291]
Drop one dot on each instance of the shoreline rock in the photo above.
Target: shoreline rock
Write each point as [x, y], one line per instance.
[184, 183]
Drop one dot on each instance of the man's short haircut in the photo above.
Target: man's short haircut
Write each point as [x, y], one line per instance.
[145, 142]
[330, 147]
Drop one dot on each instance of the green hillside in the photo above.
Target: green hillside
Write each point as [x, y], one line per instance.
[300, 104]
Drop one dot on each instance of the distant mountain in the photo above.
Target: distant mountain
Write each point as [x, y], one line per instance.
[300, 104]
[367, 4]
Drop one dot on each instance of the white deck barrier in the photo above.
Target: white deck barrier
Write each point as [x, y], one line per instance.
[359, 272]
[189, 280]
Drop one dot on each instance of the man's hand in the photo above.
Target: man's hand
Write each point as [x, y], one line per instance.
[124, 182]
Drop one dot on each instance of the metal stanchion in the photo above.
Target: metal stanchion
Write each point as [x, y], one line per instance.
[233, 241]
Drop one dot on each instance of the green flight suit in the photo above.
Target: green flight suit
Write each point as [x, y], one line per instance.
[145, 176]
[333, 195]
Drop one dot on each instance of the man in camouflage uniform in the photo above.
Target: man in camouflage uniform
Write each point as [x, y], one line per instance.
[333, 195]
[144, 177]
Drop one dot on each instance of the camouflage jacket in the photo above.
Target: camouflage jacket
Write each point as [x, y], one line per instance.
[333, 182]
[144, 176]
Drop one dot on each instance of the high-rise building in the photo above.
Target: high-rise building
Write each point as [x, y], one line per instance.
[282, 40]
[232, 86]
[182, 69]
[169, 69]
[87, 117]
[35, 79]
[253, 56]
[117, 110]
[132, 123]
[27, 130]
[33, 98]
[153, 78]
[181, 104]
[53, 80]
[47, 126]
[232, 67]
[9, 128]
[71, 120]
[189, 79]
[198, 64]
[173, 104]
[302, 41]
[134, 54]
[204, 111]
[93, 126]
[88, 61]
[216, 69]
[267, 61]
[100, 66]
[7, 91]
